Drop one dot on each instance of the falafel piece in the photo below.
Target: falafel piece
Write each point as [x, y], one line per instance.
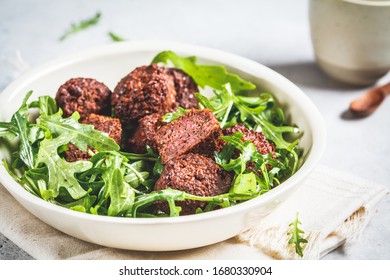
[74, 154]
[185, 88]
[144, 91]
[145, 134]
[194, 174]
[85, 96]
[111, 126]
[257, 138]
[211, 144]
[197, 130]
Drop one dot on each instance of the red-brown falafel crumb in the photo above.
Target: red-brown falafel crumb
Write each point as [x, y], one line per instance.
[145, 134]
[194, 174]
[185, 88]
[197, 130]
[144, 91]
[111, 126]
[85, 96]
[74, 154]
[257, 138]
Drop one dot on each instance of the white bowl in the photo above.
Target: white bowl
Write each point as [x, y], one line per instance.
[109, 64]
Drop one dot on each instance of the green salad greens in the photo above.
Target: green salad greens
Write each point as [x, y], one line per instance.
[117, 183]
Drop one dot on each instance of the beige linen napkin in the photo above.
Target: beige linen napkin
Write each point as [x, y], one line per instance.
[334, 208]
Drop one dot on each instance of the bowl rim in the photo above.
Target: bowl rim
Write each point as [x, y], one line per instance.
[316, 124]
[370, 3]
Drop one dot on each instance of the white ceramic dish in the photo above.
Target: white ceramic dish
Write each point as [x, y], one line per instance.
[110, 63]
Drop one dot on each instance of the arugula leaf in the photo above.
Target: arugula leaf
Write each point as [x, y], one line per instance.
[204, 75]
[82, 205]
[150, 155]
[47, 105]
[114, 37]
[170, 117]
[84, 135]
[12, 173]
[244, 184]
[134, 175]
[60, 172]
[19, 126]
[158, 168]
[30, 181]
[296, 236]
[171, 195]
[26, 153]
[203, 100]
[247, 152]
[7, 130]
[120, 180]
[239, 164]
[84, 24]
[116, 183]
[263, 167]
[225, 101]
[259, 113]
[121, 194]
[224, 105]
[148, 199]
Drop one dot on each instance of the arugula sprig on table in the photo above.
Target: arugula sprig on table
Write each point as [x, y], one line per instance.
[87, 23]
[84, 24]
[296, 236]
[115, 37]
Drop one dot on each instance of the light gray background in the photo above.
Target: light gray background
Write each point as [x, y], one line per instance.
[272, 32]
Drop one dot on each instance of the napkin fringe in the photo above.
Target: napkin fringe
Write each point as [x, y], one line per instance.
[354, 226]
[273, 240]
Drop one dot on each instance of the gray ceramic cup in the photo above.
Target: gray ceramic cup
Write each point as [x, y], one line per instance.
[351, 39]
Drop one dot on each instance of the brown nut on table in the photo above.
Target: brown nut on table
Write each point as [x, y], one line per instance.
[370, 101]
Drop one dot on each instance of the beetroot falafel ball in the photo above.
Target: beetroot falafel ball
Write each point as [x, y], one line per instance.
[262, 145]
[257, 138]
[111, 126]
[185, 88]
[144, 91]
[194, 174]
[85, 96]
[145, 134]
